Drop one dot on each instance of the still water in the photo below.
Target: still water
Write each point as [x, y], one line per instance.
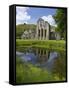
[51, 60]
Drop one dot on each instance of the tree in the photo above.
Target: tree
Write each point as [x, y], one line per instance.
[61, 21]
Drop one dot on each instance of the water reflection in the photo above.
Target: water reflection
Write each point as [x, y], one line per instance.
[59, 66]
[39, 57]
[50, 60]
[53, 61]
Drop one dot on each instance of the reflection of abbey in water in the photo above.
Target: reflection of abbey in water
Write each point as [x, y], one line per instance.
[44, 31]
[42, 54]
[41, 57]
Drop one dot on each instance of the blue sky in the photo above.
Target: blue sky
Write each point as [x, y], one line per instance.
[32, 14]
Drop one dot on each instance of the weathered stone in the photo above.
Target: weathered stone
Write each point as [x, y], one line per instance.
[44, 31]
[40, 31]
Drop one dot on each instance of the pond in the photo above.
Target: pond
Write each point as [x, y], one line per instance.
[51, 60]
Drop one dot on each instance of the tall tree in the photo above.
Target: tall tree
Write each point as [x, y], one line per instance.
[61, 20]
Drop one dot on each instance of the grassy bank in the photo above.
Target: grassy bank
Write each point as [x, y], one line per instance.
[47, 44]
[27, 73]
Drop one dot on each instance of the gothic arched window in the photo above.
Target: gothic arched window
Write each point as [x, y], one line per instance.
[45, 32]
[41, 32]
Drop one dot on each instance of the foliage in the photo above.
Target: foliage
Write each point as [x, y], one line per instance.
[27, 73]
[21, 28]
[59, 67]
[61, 20]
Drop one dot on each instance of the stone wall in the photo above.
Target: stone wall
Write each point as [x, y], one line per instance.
[42, 30]
[45, 31]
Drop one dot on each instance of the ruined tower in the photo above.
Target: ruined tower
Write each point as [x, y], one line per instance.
[42, 30]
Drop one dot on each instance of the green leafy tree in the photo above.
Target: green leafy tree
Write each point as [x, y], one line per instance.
[22, 27]
[61, 21]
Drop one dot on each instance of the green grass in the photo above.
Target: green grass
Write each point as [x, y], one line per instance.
[27, 73]
[46, 44]
[22, 27]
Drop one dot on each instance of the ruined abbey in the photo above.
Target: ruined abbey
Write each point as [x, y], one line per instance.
[44, 31]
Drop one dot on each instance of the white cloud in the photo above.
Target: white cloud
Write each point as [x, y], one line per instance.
[49, 19]
[22, 15]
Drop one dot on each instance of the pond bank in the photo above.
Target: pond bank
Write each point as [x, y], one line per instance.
[46, 44]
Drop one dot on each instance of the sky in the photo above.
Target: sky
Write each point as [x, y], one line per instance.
[30, 15]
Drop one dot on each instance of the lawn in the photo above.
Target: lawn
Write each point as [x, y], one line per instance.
[28, 73]
[46, 44]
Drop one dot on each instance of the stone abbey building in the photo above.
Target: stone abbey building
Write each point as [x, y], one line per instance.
[44, 31]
